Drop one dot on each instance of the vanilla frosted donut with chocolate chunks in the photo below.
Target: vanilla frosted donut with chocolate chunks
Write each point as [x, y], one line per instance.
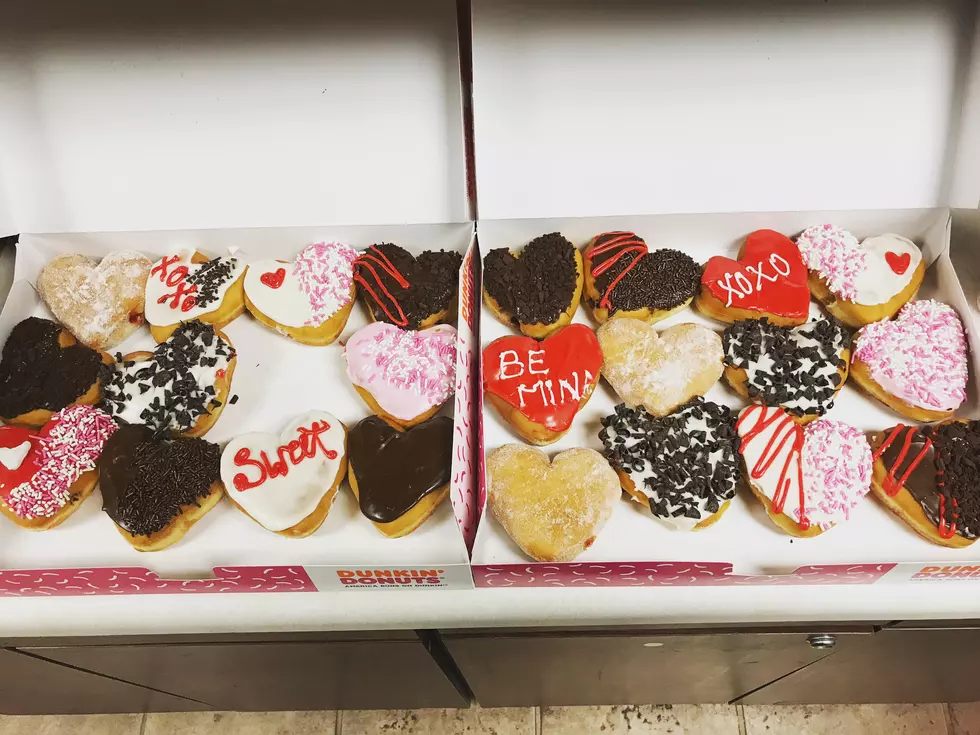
[683, 467]
[800, 369]
[180, 386]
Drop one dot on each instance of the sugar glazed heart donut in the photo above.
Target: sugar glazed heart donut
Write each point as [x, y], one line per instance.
[101, 304]
[287, 483]
[537, 290]
[45, 475]
[552, 509]
[682, 467]
[800, 369]
[916, 364]
[928, 477]
[809, 478]
[309, 299]
[860, 282]
[623, 278]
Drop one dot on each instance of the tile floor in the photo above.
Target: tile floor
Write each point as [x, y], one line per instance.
[895, 719]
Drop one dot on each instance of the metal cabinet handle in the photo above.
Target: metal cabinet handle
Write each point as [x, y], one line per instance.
[821, 641]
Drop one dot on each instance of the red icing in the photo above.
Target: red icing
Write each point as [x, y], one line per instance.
[893, 484]
[374, 255]
[274, 280]
[628, 244]
[546, 380]
[175, 279]
[293, 452]
[13, 436]
[769, 277]
[786, 430]
[898, 262]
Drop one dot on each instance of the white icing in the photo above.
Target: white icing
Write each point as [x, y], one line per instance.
[13, 457]
[166, 282]
[286, 305]
[779, 435]
[878, 283]
[282, 502]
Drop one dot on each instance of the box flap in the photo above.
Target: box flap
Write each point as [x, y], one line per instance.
[203, 115]
[587, 108]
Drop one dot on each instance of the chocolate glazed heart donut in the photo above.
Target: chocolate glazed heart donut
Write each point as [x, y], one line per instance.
[399, 478]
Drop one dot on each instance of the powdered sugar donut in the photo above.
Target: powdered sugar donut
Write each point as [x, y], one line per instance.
[403, 376]
[808, 478]
[860, 282]
[309, 299]
[915, 364]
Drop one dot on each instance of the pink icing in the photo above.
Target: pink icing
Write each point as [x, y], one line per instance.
[407, 372]
[836, 462]
[71, 447]
[325, 272]
[920, 357]
[835, 253]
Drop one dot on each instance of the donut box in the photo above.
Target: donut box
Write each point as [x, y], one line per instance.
[743, 547]
[276, 379]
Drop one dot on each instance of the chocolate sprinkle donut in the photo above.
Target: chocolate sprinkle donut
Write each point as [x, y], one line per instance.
[209, 278]
[661, 280]
[685, 463]
[36, 372]
[795, 368]
[432, 278]
[536, 287]
[146, 481]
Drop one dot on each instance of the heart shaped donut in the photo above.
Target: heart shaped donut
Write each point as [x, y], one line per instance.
[187, 286]
[309, 299]
[287, 483]
[538, 387]
[182, 386]
[682, 467]
[916, 364]
[537, 290]
[659, 372]
[800, 369]
[400, 478]
[45, 475]
[769, 279]
[408, 291]
[810, 478]
[552, 509]
[155, 488]
[43, 370]
[100, 304]
[623, 278]
[860, 282]
[404, 377]
[928, 477]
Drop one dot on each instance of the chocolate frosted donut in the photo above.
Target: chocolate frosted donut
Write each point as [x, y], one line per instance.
[537, 286]
[684, 464]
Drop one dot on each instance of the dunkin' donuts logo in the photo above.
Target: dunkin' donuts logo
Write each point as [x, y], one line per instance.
[962, 571]
[391, 577]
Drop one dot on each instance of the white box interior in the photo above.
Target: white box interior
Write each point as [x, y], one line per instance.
[744, 536]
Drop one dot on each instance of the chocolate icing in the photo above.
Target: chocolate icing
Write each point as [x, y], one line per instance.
[536, 287]
[395, 470]
[432, 279]
[146, 481]
[954, 448]
[36, 372]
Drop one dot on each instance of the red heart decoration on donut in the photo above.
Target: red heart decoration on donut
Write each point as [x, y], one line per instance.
[546, 380]
[770, 277]
[898, 262]
[274, 280]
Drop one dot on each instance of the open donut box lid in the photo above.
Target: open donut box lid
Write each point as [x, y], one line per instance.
[590, 118]
[177, 126]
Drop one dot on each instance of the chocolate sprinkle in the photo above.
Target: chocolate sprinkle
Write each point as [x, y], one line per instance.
[36, 372]
[147, 481]
[536, 287]
[661, 280]
[685, 463]
[795, 368]
[182, 397]
[210, 277]
[433, 278]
